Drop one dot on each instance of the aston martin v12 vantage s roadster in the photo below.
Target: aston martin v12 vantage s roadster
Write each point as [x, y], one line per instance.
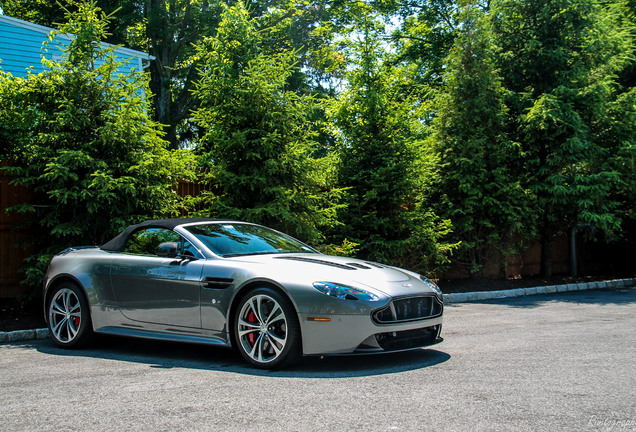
[241, 285]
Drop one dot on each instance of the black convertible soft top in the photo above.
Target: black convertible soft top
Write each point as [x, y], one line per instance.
[118, 243]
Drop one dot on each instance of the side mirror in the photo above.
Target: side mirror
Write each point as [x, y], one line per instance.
[187, 255]
[167, 249]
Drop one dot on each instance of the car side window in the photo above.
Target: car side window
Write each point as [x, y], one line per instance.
[146, 241]
[190, 250]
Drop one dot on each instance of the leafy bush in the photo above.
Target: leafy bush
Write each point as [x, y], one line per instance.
[79, 135]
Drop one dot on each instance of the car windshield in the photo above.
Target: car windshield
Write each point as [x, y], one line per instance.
[236, 239]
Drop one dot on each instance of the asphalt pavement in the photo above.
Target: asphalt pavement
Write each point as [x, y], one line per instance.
[558, 362]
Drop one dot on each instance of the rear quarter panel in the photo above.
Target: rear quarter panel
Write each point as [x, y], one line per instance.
[88, 268]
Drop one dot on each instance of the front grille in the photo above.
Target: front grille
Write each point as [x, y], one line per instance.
[407, 339]
[409, 309]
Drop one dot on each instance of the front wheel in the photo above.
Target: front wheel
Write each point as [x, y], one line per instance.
[266, 329]
[69, 317]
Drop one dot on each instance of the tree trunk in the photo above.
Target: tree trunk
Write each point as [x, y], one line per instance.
[574, 262]
[546, 249]
[161, 69]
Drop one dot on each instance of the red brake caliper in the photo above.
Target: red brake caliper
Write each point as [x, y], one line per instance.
[251, 318]
[76, 320]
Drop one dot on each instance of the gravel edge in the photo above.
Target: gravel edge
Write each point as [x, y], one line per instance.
[43, 333]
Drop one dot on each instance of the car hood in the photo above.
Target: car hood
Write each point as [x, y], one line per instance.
[349, 271]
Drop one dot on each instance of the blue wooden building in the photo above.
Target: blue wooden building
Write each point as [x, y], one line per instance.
[21, 48]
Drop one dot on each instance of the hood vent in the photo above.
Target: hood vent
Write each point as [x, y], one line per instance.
[360, 266]
[317, 261]
[216, 282]
[375, 264]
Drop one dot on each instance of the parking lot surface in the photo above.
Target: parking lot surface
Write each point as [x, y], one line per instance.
[540, 363]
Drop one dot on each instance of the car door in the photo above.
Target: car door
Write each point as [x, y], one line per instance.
[154, 289]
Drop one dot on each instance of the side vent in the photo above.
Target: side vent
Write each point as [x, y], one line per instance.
[216, 282]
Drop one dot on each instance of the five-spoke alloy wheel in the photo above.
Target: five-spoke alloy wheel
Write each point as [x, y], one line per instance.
[267, 330]
[68, 316]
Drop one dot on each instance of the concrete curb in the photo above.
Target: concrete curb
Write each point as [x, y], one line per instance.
[43, 333]
[23, 335]
[550, 289]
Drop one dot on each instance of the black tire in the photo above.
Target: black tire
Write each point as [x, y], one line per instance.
[266, 329]
[69, 316]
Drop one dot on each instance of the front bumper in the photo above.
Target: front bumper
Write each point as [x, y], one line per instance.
[352, 334]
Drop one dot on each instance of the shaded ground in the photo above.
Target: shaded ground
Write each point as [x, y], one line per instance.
[21, 315]
[17, 315]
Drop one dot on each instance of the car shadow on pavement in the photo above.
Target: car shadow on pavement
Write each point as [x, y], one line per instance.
[362, 365]
[168, 355]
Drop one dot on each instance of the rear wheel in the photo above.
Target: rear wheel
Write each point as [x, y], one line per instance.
[266, 329]
[68, 315]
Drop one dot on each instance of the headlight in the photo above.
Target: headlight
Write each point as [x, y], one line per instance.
[431, 284]
[344, 292]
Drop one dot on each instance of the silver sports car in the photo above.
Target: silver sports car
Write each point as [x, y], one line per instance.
[239, 285]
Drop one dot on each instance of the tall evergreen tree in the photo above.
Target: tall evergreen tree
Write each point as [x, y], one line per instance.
[259, 140]
[380, 132]
[477, 188]
[559, 59]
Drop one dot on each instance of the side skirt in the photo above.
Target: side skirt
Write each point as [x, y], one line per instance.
[145, 334]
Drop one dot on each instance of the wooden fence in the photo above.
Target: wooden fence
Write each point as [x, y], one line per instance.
[12, 253]
[185, 188]
[527, 263]
[11, 256]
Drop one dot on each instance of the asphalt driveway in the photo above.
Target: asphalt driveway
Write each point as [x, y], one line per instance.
[539, 363]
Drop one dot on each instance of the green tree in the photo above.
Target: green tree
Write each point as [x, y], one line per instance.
[169, 30]
[560, 60]
[43, 12]
[166, 29]
[258, 140]
[79, 134]
[477, 187]
[424, 34]
[378, 121]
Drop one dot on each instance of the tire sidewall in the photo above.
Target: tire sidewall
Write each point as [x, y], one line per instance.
[86, 326]
[293, 347]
